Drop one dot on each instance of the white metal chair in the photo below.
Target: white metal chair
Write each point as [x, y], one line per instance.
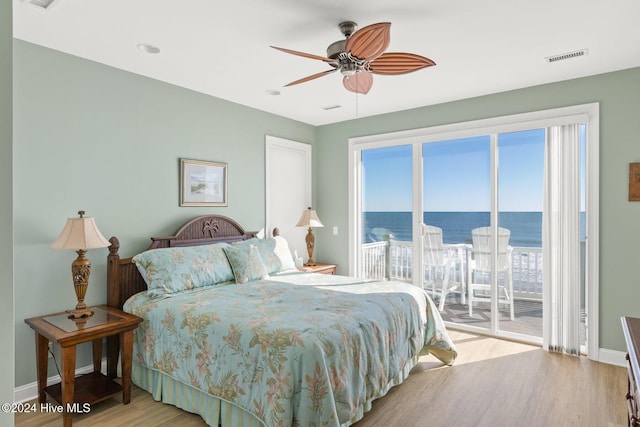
[437, 264]
[481, 263]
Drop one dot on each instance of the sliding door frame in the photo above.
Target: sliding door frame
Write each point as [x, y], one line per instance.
[585, 113]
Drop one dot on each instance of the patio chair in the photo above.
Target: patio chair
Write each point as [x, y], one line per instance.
[480, 264]
[437, 264]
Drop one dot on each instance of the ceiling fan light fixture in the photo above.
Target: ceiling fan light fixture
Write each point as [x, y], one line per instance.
[348, 69]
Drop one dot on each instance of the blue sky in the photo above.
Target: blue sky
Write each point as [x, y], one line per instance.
[456, 174]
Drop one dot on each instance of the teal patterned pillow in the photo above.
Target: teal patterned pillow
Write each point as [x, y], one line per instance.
[246, 262]
[171, 270]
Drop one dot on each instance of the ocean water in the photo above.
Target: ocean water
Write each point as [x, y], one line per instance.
[526, 227]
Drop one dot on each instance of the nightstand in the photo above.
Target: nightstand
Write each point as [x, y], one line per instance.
[73, 394]
[321, 268]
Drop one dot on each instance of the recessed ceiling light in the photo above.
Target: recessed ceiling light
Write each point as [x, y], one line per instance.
[331, 107]
[272, 92]
[148, 48]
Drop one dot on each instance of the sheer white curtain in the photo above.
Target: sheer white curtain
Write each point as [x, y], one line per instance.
[561, 240]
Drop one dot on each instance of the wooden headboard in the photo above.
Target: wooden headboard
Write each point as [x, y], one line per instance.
[123, 277]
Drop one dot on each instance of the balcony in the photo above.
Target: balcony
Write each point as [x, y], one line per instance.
[392, 260]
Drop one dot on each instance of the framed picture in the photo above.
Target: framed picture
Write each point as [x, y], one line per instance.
[634, 182]
[203, 183]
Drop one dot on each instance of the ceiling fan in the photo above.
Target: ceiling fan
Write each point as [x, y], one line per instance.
[361, 54]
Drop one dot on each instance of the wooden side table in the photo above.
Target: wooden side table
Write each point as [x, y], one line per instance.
[74, 393]
[321, 268]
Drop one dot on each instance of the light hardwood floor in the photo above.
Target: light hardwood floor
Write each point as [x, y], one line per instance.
[493, 383]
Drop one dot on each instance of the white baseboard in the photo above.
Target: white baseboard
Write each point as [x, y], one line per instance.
[30, 391]
[612, 357]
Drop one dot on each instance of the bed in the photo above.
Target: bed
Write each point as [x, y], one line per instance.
[234, 332]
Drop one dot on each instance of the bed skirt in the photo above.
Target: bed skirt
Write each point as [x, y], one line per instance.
[218, 412]
[214, 411]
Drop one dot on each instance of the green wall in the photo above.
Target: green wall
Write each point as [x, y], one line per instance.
[107, 141]
[619, 96]
[6, 213]
[92, 137]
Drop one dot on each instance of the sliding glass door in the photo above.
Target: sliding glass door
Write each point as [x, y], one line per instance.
[461, 213]
[485, 194]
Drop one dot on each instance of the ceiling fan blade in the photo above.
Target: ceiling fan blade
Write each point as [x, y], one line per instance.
[369, 42]
[314, 76]
[360, 82]
[394, 63]
[305, 55]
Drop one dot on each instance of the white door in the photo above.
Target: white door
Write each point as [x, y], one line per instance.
[288, 189]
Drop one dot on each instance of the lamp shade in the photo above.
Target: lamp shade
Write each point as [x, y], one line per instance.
[309, 219]
[80, 233]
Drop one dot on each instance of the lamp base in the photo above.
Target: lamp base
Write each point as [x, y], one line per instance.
[311, 241]
[79, 314]
[80, 270]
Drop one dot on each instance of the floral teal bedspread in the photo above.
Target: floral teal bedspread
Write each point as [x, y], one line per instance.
[294, 350]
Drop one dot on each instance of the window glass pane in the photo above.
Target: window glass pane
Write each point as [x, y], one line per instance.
[387, 205]
[520, 185]
[457, 200]
[386, 193]
[520, 201]
[457, 186]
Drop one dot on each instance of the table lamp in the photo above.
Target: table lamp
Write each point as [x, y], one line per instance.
[80, 234]
[309, 219]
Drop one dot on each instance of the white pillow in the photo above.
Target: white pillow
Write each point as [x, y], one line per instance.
[275, 254]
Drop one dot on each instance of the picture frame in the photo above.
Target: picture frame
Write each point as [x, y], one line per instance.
[203, 183]
[634, 182]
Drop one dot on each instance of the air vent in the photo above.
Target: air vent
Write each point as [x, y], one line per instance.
[567, 55]
[331, 107]
[42, 4]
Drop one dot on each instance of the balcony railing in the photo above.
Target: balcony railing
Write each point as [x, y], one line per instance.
[392, 260]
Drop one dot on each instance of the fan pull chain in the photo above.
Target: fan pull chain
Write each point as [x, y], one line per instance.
[356, 76]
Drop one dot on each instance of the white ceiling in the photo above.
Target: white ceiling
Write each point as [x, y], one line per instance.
[222, 48]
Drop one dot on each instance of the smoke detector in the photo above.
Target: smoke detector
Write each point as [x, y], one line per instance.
[42, 4]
